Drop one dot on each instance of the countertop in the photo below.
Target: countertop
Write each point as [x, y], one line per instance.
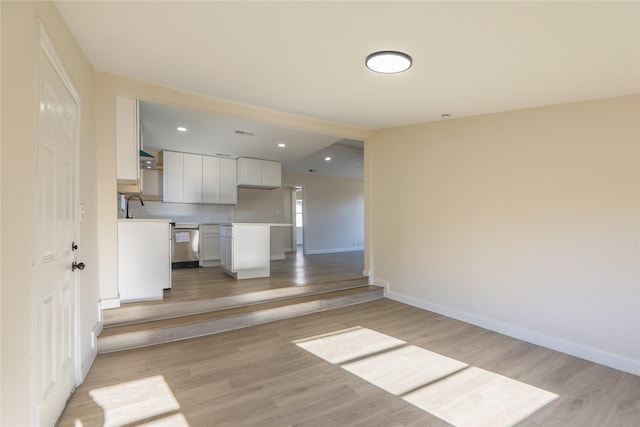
[144, 220]
[270, 224]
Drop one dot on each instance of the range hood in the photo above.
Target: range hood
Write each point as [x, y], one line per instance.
[147, 161]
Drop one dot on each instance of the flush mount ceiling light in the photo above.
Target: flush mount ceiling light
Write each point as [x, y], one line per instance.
[181, 128]
[327, 159]
[388, 62]
[282, 145]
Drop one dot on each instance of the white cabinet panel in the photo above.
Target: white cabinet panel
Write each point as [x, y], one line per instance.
[172, 177]
[259, 173]
[228, 182]
[249, 171]
[192, 178]
[144, 259]
[127, 141]
[226, 236]
[271, 174]
[245, 250]
[211, 178]
[209, 245]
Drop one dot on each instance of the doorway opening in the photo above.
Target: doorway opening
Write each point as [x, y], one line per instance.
[299, 222]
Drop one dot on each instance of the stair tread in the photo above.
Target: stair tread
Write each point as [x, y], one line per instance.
[156, 310]
[218, 314]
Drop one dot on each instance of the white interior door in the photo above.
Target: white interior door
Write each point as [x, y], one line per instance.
[56, 230]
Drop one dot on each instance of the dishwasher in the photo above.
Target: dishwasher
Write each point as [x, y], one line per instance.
[185, 246]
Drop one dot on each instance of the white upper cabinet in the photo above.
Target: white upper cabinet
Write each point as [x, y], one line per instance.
[127, 141]
[271, 174]
[259, 173]
[172, 176]
[192, 178]
[228, 182]
[211, 179]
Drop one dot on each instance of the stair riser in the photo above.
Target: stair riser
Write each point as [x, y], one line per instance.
[177, 333]
[139, 314]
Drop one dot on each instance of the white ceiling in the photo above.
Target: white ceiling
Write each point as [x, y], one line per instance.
[307, 58]
[216, 135]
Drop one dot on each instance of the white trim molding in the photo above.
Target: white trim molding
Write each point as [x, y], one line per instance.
[331, 251]
[106, 304]
[571, 348]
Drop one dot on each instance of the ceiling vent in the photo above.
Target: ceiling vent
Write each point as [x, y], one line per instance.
[245, 132]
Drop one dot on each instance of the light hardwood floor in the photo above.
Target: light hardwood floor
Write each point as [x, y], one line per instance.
[295, 270]
[258, 376]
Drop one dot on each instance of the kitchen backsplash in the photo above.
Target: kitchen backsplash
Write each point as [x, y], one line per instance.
[180, 212]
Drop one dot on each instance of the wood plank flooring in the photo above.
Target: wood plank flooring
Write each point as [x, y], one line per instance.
[295, 270]
[258, 376]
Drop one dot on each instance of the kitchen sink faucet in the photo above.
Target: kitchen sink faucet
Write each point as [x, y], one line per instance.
[129, 198]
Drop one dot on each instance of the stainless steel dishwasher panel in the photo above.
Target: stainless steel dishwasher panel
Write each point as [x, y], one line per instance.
[185, 247]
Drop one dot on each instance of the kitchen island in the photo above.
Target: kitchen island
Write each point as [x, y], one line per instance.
[245, 249]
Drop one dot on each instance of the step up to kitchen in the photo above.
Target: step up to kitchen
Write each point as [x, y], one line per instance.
[154, 332]
[137, 313]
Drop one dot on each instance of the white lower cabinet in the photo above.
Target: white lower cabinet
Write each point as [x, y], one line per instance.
[245, 250]
[144, 259]
[210, 245]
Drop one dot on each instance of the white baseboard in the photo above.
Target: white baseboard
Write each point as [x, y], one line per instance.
[109, 303]
[273, 257]
[331, 251]
[574, 349]
[93, 353]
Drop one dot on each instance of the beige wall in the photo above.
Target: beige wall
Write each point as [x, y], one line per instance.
[333, 212]
[525, 222]
[260, 205]
[107, 87]
[19, 52]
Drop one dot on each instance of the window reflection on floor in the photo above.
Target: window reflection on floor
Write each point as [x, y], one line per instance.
[451, 390]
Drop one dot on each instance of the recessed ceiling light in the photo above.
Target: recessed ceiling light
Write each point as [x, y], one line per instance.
[327, 159]
[282, 145]
[182, 128]
[388, 62]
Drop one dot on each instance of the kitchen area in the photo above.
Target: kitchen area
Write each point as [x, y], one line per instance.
[180, 209]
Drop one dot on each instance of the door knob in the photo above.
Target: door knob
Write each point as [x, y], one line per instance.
[77, 266]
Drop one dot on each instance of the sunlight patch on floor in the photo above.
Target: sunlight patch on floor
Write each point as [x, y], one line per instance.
[175, 420]
[449, 389]
[478, 397]
[348, 344]
[404, 369]
[137, 401]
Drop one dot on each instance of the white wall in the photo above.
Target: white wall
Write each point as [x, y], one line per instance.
[19, 38]
[288, 218]
[525, 222]
[333, 212]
